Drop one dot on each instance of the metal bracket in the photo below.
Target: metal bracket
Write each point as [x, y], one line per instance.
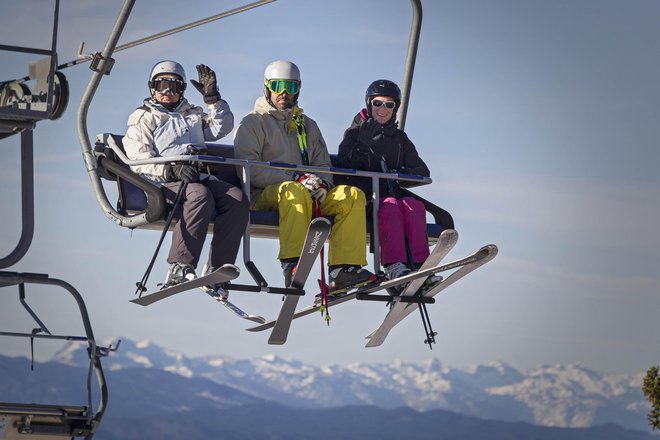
[105, 67]
[105, 351]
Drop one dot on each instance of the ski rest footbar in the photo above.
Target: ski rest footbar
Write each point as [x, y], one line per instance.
[266, 289]
[390, 298]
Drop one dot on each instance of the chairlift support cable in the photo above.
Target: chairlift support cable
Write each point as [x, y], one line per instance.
[83, 58]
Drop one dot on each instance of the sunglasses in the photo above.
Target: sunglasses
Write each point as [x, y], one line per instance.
[283, 85]
[388, 104]
[162, 85]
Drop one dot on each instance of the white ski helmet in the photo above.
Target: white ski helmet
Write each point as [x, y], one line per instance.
[281, 69]
[168, 66]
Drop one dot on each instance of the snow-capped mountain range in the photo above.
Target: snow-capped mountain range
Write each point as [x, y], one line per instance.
[556, 395]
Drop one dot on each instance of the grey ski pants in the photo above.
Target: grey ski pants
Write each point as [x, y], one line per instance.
[202, 201]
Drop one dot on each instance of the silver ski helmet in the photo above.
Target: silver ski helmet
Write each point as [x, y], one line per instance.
[167, 67]
[382, 87]
[281, 70]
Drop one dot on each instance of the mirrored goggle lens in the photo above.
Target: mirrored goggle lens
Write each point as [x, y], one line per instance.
[162, 85]
[387, 104]
[281, 85]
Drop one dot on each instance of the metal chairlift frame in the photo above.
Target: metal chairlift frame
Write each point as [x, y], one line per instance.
[32, 420]
[38, 421]
[22, 117]
[145, 219]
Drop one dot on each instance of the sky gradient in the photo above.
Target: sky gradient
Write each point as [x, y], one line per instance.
[538, 120]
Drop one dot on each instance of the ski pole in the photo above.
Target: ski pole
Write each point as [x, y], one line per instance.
[141, 285]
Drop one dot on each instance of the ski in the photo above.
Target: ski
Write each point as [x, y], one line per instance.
[225, 273]
[305, 311]
[317, 234]
[236, 310]
[400, 311]
[444, 244]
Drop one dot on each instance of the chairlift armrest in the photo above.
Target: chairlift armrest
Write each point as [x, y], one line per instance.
[156, 204]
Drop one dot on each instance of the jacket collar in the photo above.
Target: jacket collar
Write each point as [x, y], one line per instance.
[183, 105]
[262, 107]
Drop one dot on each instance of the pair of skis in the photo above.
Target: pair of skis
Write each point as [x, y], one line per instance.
[401, 309]
[445, 243]
[405, 304]
[223, 274]
[317, 234]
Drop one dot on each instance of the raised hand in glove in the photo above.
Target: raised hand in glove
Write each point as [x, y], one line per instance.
[183, 172]
[207, 84]
[367, 133]
[316, 186]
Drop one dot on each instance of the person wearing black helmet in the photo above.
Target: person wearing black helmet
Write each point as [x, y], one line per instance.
[375, 143]
[168, 125]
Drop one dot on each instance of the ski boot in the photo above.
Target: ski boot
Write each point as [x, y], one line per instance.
[393, 271]
[346, 277]
[289, 269]
[179, 273]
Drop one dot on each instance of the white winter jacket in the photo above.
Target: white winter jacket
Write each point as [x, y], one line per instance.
[154, 131]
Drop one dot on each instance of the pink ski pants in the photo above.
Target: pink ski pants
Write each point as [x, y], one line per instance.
[398, 220]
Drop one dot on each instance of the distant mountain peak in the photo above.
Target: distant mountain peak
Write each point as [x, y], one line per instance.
[554, 395]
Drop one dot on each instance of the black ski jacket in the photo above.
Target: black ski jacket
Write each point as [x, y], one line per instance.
[390, 144]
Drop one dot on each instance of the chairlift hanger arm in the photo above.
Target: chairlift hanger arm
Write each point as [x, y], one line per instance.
[15, 278]
[83, 58]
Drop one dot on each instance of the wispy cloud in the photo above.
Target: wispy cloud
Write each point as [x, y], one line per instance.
[625, 214]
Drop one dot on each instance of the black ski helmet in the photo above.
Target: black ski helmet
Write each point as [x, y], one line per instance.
[382, 87]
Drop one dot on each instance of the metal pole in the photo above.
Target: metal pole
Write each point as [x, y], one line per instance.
[413, 43]
[83, 135]
[27, 201]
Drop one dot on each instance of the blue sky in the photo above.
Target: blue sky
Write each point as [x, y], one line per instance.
[538, 120]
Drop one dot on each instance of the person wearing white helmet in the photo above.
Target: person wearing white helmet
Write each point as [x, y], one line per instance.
[168, 125]
[277, 130]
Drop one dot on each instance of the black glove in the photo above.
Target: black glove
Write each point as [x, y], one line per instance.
[183, 172]
[367, 134]
[207, 84]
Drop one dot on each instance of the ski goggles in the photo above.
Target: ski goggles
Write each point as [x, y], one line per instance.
[283, 85]
[388, 104]
[174, 86]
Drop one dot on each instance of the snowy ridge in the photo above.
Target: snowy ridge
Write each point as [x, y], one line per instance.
[548, 395]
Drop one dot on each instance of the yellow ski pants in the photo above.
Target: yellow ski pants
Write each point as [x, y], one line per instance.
[348, 239]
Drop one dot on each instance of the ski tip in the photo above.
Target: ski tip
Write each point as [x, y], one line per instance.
[229, 267]
[490, 249]
[254, 329]
[255, 318]
[321, 220]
